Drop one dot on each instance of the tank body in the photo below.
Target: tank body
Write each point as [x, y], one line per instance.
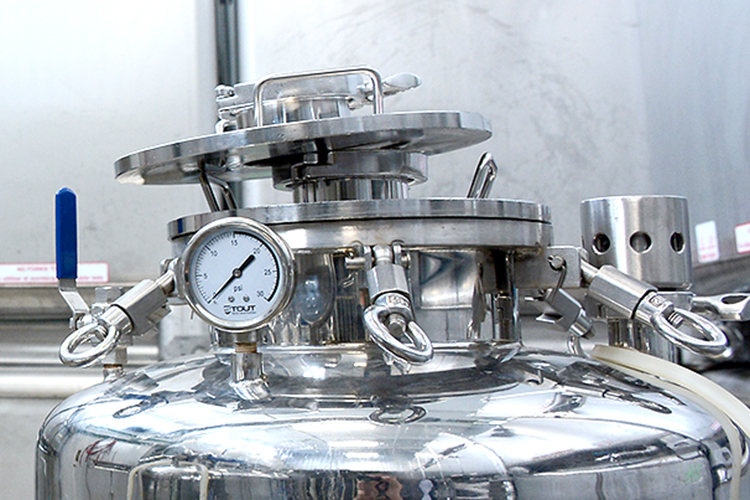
[480, 421]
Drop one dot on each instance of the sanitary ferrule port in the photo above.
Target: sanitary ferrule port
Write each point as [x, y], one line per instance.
[248, 380]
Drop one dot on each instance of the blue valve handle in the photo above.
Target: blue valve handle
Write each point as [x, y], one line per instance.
[66, 234]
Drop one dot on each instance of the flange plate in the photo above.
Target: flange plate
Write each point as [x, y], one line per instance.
[249, 153]
[445, 223]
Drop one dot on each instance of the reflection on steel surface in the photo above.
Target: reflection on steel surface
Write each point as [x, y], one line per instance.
[511, 423]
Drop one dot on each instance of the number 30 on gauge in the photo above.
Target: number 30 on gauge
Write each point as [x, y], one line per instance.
[238, 274]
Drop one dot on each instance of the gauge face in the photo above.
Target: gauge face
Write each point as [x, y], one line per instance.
[238, 273]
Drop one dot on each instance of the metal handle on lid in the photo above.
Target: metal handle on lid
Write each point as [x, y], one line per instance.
[377, 82]
[484, 177]
[397, 83]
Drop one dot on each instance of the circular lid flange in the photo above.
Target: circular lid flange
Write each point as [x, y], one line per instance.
[415, 222]
[249, 153]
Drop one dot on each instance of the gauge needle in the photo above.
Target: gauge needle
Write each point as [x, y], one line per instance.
[236, 273]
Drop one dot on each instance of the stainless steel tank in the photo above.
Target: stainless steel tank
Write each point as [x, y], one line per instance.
[383, 357]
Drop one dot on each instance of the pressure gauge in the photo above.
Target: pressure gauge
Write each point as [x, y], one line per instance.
[238, 274]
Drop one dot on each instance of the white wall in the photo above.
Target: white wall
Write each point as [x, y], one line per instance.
[560, 81]
[586, 98]
[83, 82]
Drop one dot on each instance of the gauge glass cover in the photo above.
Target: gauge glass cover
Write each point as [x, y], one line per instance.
[238, 274]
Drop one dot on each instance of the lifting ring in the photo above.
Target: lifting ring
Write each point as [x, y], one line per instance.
[374, 321]
[713, 343]
[107, 337]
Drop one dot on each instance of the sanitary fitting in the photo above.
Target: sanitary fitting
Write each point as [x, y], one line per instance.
[248, 380]
[566, 312]
[134, 313]
[640, 301]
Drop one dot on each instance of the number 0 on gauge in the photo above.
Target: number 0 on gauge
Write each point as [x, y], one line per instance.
[238, 274]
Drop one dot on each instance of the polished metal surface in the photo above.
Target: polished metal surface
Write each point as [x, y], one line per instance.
[390, 318]
[320, 93]
[548, 268]
[451, 303]
[726, 307]
[376, 209]
[647, 237]
[76, 303]
[452, 300]
[568, 314]
[390, 315]
[484, 177]
[485, 422]
[103, 341]
[350, 175]
[242, 154]
[619, 292]
[440, 232]
[383, 188]
[476, 222]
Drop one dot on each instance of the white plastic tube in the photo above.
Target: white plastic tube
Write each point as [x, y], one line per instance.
[727, 409]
